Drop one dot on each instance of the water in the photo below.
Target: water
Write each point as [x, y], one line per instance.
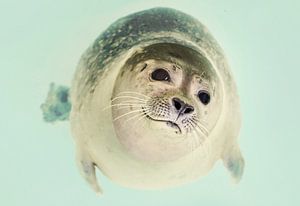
[42, 42]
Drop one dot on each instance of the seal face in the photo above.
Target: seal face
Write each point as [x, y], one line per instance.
[154, 104]
[172, 98]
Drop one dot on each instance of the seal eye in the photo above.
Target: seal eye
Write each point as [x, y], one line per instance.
[204, 97]
[160, 75]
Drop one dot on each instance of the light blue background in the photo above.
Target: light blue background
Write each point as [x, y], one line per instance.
[41, 41]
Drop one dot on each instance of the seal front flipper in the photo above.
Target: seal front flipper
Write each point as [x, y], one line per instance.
[87, 169]
[234, 162]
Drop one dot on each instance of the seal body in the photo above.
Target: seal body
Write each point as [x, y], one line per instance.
[136, 113]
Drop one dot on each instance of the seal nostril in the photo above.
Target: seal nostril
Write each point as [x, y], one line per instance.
[181, 107]
[177, 103]
[188, 110]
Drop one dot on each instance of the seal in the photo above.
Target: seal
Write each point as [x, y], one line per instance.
[154, 104]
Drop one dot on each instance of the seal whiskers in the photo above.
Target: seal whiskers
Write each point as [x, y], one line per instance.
[134, 111]
[129, 101]
[131, 97]
[125, 105]
[138, 93]
[142, 114]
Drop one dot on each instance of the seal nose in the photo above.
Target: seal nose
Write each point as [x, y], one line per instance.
[181, 107]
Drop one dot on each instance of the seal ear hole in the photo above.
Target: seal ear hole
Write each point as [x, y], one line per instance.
[160, 75]
[204, 97]
[144, 67]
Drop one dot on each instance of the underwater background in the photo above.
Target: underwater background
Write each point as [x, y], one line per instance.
[42, 41]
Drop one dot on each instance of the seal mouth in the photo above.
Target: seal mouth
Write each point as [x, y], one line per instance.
[169, 123]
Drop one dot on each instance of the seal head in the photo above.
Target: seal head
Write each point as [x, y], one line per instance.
[167, 98]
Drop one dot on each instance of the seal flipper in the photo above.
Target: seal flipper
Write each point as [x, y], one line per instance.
[87, 170]
[234, 162]
[57, 105]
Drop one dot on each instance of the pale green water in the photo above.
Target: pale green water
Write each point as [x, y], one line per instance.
[42, 42]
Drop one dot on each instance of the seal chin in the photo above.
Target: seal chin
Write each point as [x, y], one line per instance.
[169, 123]
[174, 125]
